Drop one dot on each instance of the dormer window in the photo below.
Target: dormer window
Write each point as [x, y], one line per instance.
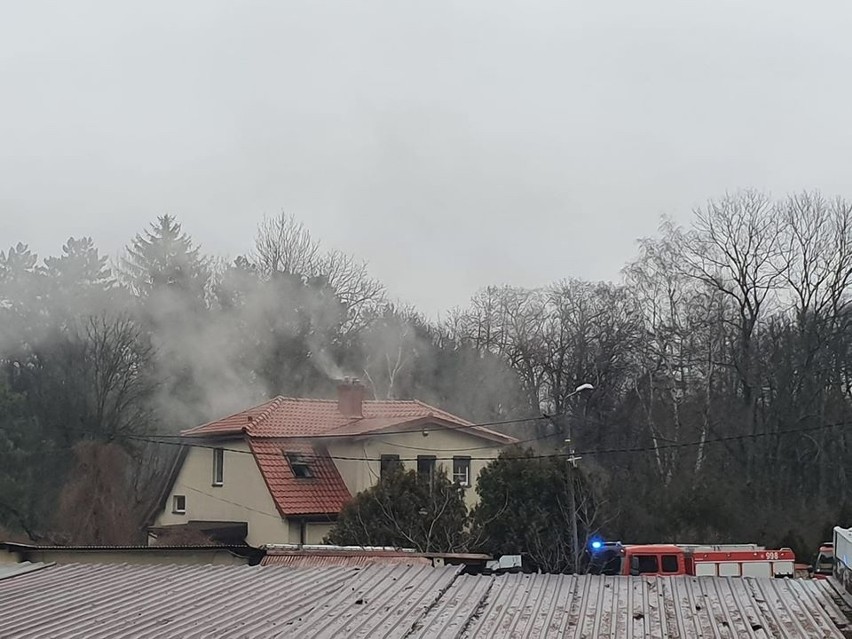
[299, 465]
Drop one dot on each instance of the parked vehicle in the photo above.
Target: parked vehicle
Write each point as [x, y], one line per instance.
[823, 565]
[731, 560]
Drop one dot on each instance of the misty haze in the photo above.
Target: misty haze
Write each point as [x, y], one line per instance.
[607, 248]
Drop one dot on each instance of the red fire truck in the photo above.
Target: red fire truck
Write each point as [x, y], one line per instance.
[732, 560]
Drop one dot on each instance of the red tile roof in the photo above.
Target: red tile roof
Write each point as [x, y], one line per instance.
[284, 417]
[286, 424]
[323, 494]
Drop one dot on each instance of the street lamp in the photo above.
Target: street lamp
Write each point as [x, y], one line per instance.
[572, 498]
[579, 389]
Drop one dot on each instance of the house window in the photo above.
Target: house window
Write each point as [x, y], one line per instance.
[218, 466]
[299, 465]
[388, 464]
[179, 504]
[426, 466]
[461, 471]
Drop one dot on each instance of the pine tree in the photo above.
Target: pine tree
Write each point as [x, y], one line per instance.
[165, 258]
[80, 282]
[167, 272]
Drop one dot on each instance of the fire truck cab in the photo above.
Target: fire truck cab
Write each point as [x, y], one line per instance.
[654, 559]
[614, 558]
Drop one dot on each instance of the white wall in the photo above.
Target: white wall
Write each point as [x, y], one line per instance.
[243, 496]
[440, 442]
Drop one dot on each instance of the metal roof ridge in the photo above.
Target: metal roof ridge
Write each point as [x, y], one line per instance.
[7, 571]
[77, 547]
[335, 548]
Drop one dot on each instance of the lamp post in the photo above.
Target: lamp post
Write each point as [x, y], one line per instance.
[571, 457]
[572, 497]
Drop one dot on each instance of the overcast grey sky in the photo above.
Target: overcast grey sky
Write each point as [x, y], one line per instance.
[452, 144]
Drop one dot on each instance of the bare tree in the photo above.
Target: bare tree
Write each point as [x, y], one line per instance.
[678, 353]
[96, 504]
[390, 344]
[284, 245]
[817, 251]
[510, 322]
[118, 356]
[735, 248]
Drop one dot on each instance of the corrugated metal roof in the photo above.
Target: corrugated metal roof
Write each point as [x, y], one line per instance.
[317, 560]
[13, 570]
[315, 556]
[12, 545]
[133, 601]
[329, 548]
[538, 606]
[396, 601]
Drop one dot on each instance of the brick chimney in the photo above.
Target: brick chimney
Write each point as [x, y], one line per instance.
[350, 398]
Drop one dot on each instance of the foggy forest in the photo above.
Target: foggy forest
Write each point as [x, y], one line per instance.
[720, 360]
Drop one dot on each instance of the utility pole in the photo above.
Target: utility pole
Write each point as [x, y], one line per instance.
[572, 502]
[572, 496]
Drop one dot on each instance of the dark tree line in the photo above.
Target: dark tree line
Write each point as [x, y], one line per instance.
[95, 357]
[721, 363]
[722, 360]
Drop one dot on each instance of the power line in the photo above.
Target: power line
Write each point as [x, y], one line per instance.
[460, 427]
[564, 455]
[184, 442]
[228, 501]
[383, 433]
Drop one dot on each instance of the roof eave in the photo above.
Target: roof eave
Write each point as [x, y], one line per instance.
[228, 434]
[419, 422]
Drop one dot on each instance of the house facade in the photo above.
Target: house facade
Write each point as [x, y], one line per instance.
[282, 471]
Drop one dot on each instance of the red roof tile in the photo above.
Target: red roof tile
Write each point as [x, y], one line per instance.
[284, 424]
[323, 494]
[298, 417]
